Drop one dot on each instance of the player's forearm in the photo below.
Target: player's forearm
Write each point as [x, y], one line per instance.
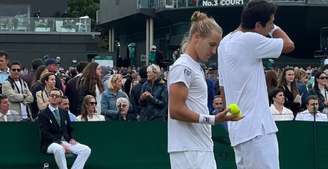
[182, 113]
[288, 44]
[177, 104]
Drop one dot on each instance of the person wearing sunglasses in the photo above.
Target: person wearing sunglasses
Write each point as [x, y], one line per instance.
[18, 93]
[56, 133]
[320, 90]
[89, 83]
[89, 111]
[311, 113]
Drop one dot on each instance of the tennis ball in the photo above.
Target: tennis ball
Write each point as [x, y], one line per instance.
[234, 109]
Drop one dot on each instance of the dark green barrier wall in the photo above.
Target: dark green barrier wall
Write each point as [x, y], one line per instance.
[120, 145]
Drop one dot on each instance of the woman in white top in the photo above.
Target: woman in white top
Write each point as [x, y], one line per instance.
[279, 112]
[88, 110]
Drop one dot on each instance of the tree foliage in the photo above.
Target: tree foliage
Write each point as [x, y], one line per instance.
[78, 8]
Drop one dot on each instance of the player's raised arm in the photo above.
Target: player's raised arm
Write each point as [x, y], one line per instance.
[288, 45]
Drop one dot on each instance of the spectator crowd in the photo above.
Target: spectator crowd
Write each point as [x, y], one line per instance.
[91, 92]
[88, 91]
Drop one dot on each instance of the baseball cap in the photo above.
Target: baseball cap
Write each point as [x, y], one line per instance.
[51, 61]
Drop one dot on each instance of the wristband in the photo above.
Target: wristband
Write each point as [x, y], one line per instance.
[275, 27]
[206, 119]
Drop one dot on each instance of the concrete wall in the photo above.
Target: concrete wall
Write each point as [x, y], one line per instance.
[116, 9]
[25, 47]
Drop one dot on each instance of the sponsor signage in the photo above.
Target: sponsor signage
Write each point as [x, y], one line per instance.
[105, 61]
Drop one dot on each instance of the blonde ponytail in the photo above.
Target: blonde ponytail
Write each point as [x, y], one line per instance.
[202, 24]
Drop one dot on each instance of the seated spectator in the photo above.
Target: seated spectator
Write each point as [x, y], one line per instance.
[42, 96]
[311, 113]
[17, 91]
[122, 105]
[110, 96]
[320, 90]
[56, 134]
[64, 104]
[217, 104]
[5, 113]
[278, 110]
[88, 110]
[153, 98]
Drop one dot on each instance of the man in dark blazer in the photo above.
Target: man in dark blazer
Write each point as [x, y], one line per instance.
[56, 134]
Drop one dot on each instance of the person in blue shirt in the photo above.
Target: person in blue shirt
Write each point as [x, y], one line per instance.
[4, 70]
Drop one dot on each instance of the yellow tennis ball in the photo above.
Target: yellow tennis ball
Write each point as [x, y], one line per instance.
[234, 109]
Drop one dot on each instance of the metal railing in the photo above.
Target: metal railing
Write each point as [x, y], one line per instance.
[39, 24]
[318, 2]
[157, 4]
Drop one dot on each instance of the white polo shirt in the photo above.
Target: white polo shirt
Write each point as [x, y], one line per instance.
[241, 73]
[186, 136]
[307, 116]
[285, 115]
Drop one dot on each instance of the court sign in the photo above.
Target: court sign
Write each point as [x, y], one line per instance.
[223, 2]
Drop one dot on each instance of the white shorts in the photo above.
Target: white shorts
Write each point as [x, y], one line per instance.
[261, 152]
[192, 160]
